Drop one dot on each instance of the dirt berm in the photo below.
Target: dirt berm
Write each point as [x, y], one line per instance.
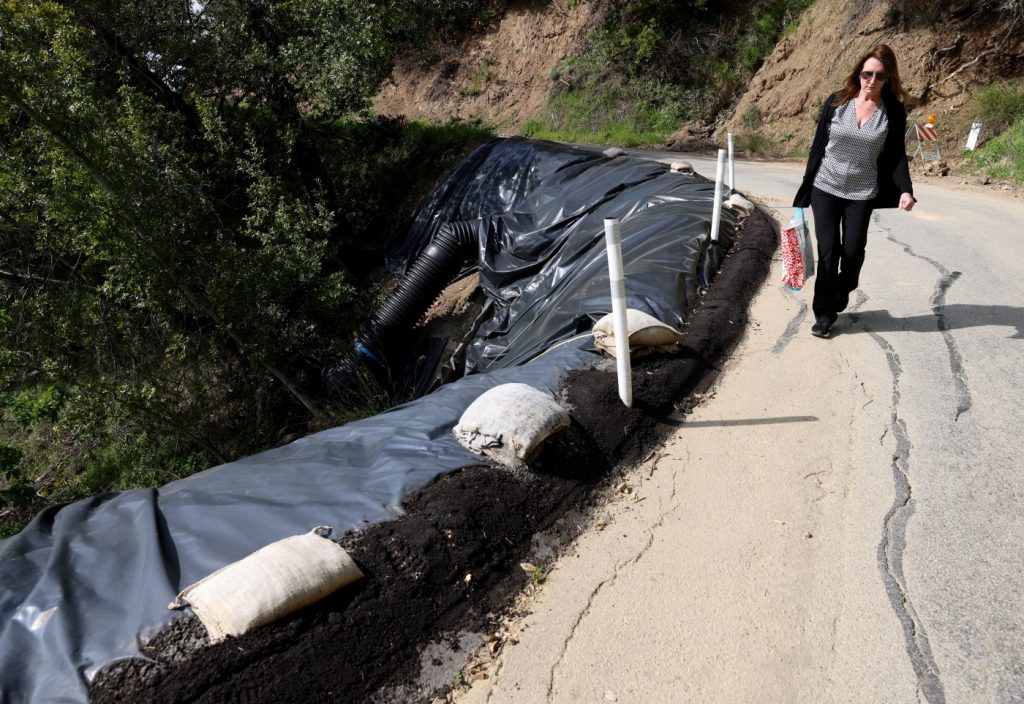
[450, 568]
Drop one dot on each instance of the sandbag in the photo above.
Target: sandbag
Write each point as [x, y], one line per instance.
[738, 202]
[509, 423]
[270, 583]
[647, 334]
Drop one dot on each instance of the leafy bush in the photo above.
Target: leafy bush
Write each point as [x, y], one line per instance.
[1000, 105]
[531, 128]
[592, 103]
[655, 64]
[751, 117]
[9, 459]
[1003, 156]
[29, 405]
[753, 143]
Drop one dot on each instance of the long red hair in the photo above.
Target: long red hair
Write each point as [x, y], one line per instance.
[892, 85]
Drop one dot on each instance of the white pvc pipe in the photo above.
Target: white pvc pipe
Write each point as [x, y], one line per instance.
[716, 215]
[732, 168]
[617, 279]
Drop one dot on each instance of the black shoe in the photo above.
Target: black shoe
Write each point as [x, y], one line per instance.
[822, 327]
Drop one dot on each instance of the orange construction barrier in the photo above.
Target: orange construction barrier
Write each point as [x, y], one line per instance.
[927, 140]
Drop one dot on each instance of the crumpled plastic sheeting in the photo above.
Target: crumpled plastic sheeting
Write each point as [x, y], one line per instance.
[495, 178]
[661, 248]
[539, 209]
[85, 584]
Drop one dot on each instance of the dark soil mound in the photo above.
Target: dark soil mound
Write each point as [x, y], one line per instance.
[451, 563]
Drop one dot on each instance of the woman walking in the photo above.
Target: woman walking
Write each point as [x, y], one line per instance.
[858, 162]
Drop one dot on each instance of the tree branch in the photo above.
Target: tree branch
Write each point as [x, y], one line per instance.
[16, 276]
[994, 50]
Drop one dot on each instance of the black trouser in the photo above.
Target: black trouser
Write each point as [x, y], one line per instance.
[841, 229]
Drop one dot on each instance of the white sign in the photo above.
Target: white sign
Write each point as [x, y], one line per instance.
[972, 138]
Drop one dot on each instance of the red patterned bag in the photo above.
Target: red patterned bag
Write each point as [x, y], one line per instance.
[797, 253]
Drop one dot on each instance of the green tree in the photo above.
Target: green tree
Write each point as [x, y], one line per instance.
[176, 256]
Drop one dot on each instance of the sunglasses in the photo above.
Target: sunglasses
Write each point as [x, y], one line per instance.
[880, 76]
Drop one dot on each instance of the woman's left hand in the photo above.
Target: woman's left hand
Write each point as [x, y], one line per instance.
[906, 202]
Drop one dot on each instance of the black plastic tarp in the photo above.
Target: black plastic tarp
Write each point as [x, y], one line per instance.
[553, 291]
[86, 584]
[539, 210]
[83, 584]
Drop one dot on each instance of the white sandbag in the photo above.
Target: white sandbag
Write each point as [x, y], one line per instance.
[509, 423]
[647, 334]
[272, 582]
[738, 202]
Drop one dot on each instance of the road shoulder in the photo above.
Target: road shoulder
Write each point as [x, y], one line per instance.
[740, 562]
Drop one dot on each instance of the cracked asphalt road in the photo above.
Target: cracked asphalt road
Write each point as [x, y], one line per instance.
[841, 520]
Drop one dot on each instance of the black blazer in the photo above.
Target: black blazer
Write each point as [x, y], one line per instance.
[893, 172]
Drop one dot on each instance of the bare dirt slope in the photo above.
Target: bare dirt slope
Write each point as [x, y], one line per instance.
[940, 65]
[500, 76]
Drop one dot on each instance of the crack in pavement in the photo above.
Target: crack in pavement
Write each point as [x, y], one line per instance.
[893, 543]
[611, 580]
[586, 610]
[653, 459]
[794, 325]
[938, 303]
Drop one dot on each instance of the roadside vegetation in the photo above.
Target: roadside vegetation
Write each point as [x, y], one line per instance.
[193, 209]
[656, 64]
[1000, 108]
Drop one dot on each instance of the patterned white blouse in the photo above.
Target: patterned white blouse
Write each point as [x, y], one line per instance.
[849, 168]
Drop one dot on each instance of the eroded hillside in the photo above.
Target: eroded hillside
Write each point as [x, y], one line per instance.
[940, 65]
[500, 76]
[504, 75]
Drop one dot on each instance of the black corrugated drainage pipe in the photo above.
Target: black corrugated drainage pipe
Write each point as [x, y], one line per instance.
[392, 322]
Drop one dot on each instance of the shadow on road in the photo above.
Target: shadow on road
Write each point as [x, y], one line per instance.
[955, 316]
[738, 421]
